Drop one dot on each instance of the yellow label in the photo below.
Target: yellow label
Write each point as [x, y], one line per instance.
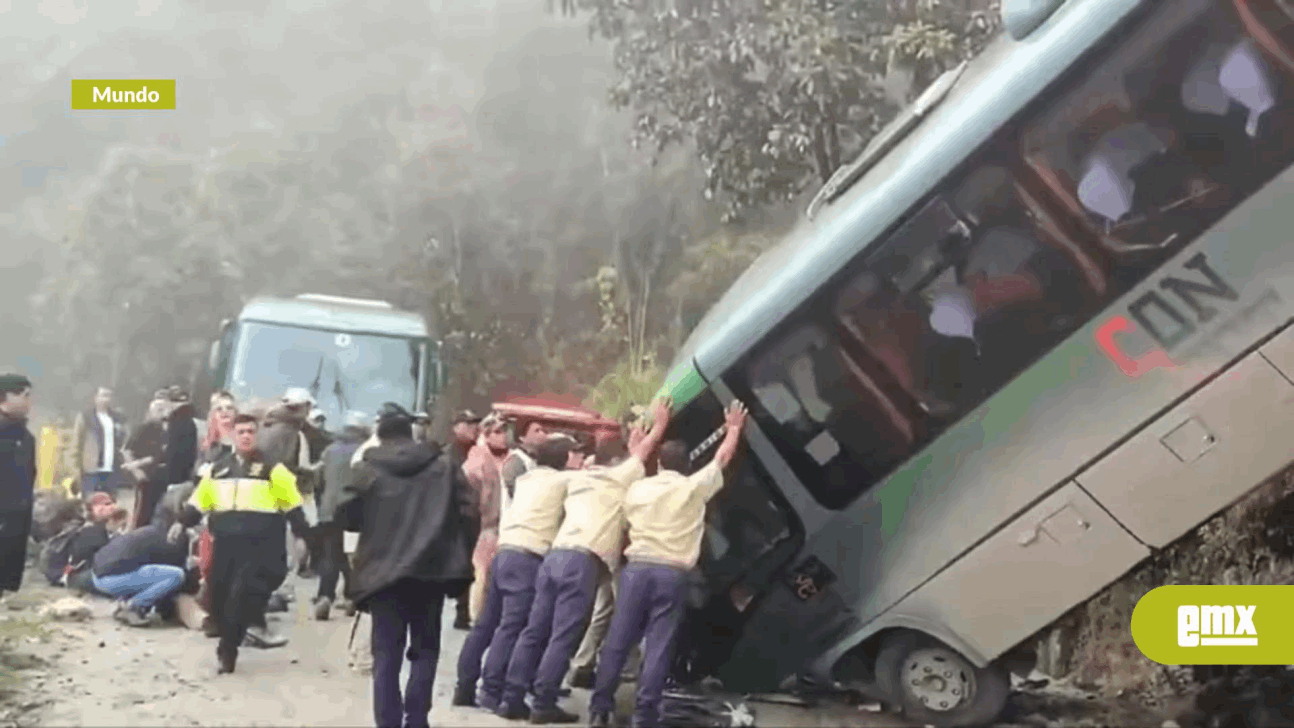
[118, 94]
[1215, 625]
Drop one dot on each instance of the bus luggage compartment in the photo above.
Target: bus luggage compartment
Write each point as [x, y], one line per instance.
[1026, 575]
[1206, 452]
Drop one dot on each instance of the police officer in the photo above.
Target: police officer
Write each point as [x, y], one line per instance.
[246, 498]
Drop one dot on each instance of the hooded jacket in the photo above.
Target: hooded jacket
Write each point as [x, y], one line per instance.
[417, 518]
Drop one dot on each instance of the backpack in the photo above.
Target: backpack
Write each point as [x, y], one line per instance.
[56, 554]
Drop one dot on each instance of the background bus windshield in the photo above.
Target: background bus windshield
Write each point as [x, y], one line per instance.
[343, 371]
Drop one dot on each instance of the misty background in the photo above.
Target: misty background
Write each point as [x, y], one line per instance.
[562, 189]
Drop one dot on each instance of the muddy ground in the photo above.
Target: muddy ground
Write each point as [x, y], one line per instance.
[98, 672]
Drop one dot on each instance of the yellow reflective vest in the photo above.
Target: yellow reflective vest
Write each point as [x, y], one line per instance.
[245, 497]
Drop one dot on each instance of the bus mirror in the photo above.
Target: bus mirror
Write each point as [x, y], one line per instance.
[224, 325]
[213, 357]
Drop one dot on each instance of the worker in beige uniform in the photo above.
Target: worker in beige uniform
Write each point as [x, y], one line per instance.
[588, 545]
[666, 515]
[526, 531]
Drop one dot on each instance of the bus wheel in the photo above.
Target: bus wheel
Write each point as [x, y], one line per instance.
[935, 685]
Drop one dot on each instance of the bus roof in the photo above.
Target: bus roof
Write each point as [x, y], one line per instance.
[1005, 78]
[337, 315]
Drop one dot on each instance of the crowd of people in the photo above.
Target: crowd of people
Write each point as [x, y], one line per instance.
[555, 549]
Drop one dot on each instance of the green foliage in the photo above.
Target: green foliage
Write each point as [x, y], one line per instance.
[773, 95]
[625, 387]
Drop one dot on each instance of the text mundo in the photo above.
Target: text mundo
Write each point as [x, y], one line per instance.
[106, 95]
[1216, 626]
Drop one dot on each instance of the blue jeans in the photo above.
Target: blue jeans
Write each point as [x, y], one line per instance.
[143, 587]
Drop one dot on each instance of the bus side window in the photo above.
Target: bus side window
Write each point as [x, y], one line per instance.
[1166, 135]
[832, 423]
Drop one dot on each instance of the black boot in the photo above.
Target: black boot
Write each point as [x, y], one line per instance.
[225, 662]
[553, 716]
[513, 712]
[464, 697]
[583, 678]
[463, 620]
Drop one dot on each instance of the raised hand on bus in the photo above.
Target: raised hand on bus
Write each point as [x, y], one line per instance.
[660, 412]
[636, 435]
[734, 420]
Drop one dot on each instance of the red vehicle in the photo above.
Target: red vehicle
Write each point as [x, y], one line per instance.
[575, 420]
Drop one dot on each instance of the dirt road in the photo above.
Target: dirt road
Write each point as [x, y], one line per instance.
[98, 672]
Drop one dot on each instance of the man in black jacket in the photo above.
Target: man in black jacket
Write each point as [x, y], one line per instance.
[17, 478]
[181, 439]
[417, 519]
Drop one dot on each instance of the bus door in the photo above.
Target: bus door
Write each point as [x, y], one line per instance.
[751, 534]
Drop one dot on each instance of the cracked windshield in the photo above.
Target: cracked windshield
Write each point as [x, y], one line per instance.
[667, 363]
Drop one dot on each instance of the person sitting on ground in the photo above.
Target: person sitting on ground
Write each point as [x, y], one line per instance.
[142, 568]
[67, 557]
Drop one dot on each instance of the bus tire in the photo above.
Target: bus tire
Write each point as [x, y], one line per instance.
[924, 677]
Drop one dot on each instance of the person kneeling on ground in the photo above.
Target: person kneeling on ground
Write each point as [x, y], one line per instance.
[142, 568]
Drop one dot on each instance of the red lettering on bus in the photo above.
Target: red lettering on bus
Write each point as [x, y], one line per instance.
[1153, 359]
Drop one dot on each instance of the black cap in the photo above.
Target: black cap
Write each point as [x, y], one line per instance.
[392, 412]
[467, 416]
[13, 382]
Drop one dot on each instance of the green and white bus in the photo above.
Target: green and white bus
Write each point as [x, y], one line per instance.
[1039, 329]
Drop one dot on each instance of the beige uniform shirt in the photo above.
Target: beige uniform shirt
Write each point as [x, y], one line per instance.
[595, 514]
[666, 515]
[532, 520]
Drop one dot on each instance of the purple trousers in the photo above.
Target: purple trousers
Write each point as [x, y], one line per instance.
[565, 590]
[507, 607]
[650, 605]
[406, 613]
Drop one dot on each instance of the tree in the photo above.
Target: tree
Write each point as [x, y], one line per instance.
[773, 95]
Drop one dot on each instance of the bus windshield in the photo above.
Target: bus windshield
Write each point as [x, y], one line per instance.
[343, 371]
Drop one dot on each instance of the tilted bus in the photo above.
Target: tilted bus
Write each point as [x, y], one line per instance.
[351, 354]
[1036, 331]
